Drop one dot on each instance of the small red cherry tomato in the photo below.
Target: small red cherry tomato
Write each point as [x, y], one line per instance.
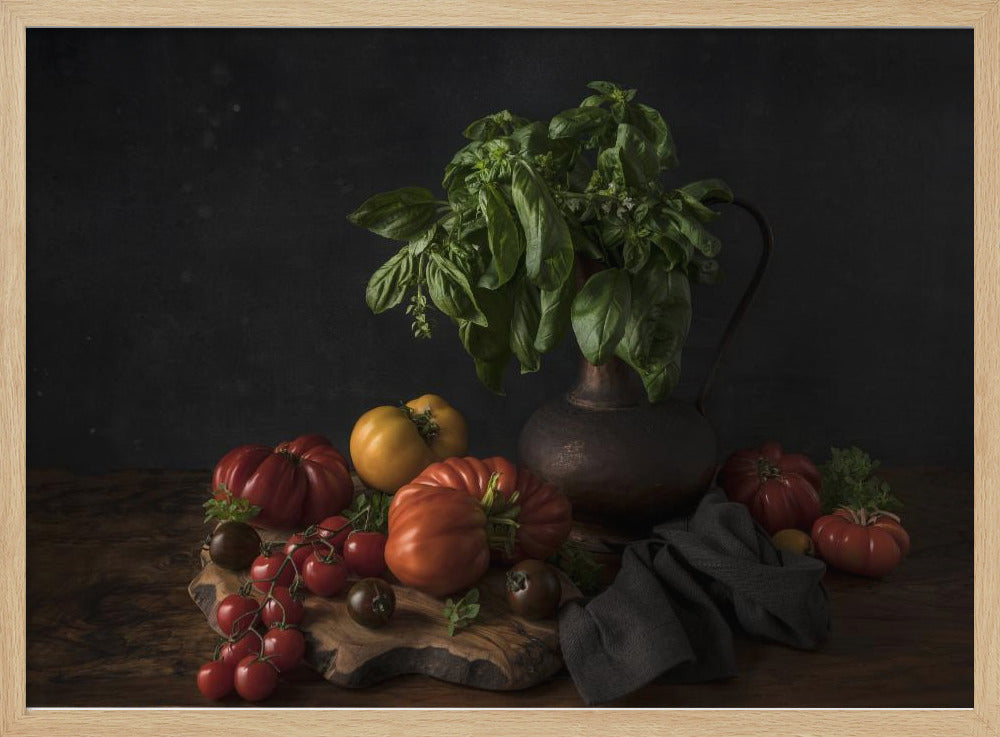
[284, 647]
[335, 529]
[255, 679]
[215, 679]
[265, 570]
[282, 608]
[236, 614]
[234, 650]
[325, 576]
[299, 547]
[364, 553]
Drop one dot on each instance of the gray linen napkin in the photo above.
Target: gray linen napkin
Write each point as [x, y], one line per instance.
[672, 609]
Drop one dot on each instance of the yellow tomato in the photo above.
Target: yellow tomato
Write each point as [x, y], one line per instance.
[391, 445]
[795, 541]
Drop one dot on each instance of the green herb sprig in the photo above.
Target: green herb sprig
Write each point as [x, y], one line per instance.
[580, 565]
[460, 614]
[229, 508]
[848, 480]
[369, 512]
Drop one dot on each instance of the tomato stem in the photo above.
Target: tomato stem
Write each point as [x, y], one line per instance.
[426, 424]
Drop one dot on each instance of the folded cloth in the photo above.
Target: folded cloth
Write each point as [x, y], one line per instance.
[672, 608]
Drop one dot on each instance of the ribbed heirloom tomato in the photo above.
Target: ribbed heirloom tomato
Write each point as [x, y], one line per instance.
[861, 542]
[445, 526]
[391, 445]
[542, 514]
[780, 490]
[294, 484]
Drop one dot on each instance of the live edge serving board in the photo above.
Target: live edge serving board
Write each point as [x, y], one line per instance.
[499, 651]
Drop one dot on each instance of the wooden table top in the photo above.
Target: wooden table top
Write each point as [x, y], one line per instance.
[110, 622]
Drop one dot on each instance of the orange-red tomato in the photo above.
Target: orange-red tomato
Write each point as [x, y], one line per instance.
[780, 490]
[437, 539]
[295, 484]
[861, 543]
[544, 515]
[447, 524]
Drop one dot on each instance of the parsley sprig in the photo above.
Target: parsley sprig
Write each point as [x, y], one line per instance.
[849, 481]
[460, 614]
[369, 512]
[229, 508]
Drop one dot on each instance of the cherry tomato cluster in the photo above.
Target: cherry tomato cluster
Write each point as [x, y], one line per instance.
[262, 638]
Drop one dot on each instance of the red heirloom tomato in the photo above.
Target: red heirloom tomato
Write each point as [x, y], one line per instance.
[861, 542]
[295, 484]
[781, 491]
[437, 539]
[543, 513]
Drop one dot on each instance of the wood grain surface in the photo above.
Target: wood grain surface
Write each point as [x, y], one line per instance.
[110, 622]
[499, 651]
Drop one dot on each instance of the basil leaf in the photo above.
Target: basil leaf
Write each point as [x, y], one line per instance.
[600, 313]
[578, 122]
[705, 271]
[549, 248]
[612, 231]
[582, 243]
[554, 318]
[580, 174]
[400, 214]
[606, 88]
[450, 290]
[609, 166]
[696, 209]
[636, 253]
[675, 248]
[493, 126]
[657, 327]
[661, 379]
[388, 284]
[683, 228]
[491, 373]
[714, 190]
[505, 240]
[524, 325]
[592, 101]
[489, 342]
[652, 125]
[639, 161]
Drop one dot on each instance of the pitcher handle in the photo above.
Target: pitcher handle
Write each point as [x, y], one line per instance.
[767, 247]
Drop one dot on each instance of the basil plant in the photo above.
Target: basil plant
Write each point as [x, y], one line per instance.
[545, 226]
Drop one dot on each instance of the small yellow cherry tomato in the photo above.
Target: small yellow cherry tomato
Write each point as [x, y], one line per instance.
[794, 541]
[390, 446]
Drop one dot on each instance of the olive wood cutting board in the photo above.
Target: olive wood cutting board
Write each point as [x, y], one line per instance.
[499, 651]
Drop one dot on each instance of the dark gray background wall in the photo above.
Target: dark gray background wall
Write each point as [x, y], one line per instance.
[193, 283]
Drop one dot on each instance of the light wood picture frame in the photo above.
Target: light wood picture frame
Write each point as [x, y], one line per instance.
[18, 15]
